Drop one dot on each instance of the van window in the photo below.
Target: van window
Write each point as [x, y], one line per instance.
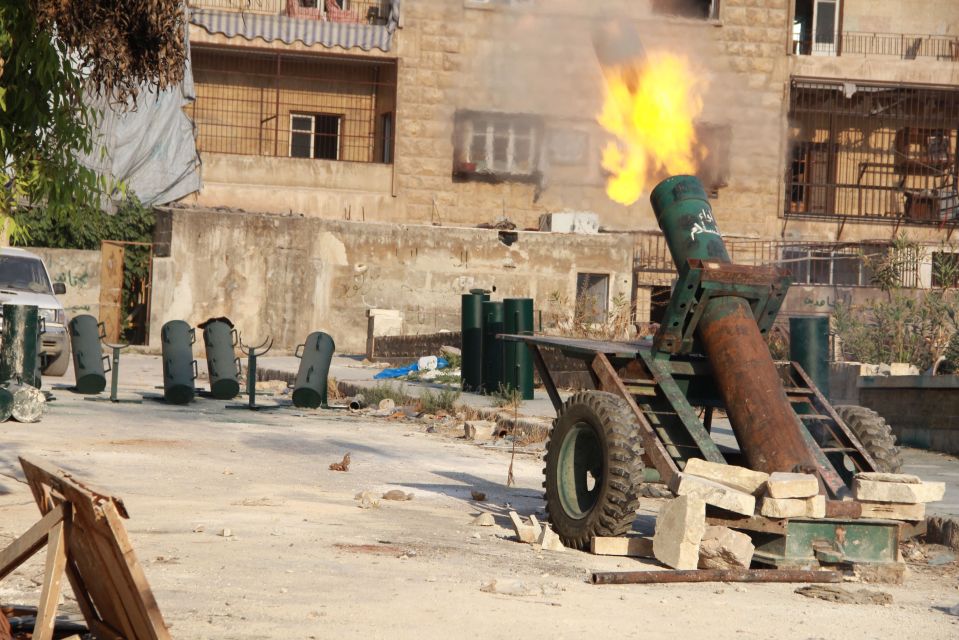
[23, 274]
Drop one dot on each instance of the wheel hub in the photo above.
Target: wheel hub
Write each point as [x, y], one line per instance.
[580, 471]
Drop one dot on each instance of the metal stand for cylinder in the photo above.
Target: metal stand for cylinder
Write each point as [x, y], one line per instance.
[252, 353]
[113, 367]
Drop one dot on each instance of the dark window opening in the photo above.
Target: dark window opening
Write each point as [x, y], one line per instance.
[699, 9]
[592, 297]
[816, 27]
[496, 146]
[881, 152]
[386, 121]
[315, 136]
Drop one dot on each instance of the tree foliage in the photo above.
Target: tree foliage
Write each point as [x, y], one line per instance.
[52, 52]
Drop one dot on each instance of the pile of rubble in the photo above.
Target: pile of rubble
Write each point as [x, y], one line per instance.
[684, 541]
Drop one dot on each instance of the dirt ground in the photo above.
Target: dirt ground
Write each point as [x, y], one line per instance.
[302, 560]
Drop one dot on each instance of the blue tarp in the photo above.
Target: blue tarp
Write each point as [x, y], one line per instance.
[399, 372]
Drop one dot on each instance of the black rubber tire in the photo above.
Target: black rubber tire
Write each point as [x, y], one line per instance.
[875, 434]
[615, 495]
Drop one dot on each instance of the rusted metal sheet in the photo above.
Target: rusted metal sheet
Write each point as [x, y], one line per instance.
[843, 509]
[715, 575]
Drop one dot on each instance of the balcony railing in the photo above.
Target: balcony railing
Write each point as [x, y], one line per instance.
[347, 11]
[895, 45]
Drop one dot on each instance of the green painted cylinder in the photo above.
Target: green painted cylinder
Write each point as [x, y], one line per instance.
[179, 367]
[518, 361]
[6, 404]
[492, 346]
[471, 323]
[219, 340]
[809, 346]
[683, 212]
[309, 390]
[20, 355]
[87, 354]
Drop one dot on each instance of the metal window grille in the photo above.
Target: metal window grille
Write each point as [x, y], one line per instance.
[873, 151]
[253, 102]
[497, 144]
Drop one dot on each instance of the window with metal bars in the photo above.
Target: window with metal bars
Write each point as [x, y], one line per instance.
[873, 151]
[495, 145]
[266, 104]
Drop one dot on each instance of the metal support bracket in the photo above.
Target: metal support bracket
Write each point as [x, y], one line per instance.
[763, 287]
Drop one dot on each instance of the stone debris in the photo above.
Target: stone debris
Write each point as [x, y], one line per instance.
[902, 492]
[529, 533]
[632, 547]
[679, 530]
[953, 611]
[479, 430]
[714, 493]
[343, 465]
[739, 478]
[879, 476]
[894, 511]
[396, 494]
[367, 500]
[485, 519]
[814, 507]
[387, 404]
[792, 485]
[225, 533]
[723, 548]
[832, 593]
[511, 588]
[479, 496]
[549, 540]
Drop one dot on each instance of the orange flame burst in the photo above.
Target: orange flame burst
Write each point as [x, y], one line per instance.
[650, 107]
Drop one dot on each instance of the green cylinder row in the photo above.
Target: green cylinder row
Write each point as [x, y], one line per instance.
[492, 346]
[472, 346]
[809, 346]
[219, 339]
[179, 367]
[310, 387]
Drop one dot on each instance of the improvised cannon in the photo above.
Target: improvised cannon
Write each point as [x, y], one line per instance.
[652, 406]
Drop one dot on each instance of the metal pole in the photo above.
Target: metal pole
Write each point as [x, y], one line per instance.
[715, 575]
[115, 373]
[761, 416]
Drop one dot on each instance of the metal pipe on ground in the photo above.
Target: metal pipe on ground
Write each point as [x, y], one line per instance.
[179, 367]
[219, 340]
[716, 575]
[310, 387]
[88, 370]
[20, 356]
[357, 402]
[761, 416]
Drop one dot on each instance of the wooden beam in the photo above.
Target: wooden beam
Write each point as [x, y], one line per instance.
[30, 542]
[50, 595]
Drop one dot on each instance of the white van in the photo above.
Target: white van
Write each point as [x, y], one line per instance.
[24, 280]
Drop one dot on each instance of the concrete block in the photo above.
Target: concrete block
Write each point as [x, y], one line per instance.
[723, 548]
[903, 369]
[529, 533]
[713, 493]
[878, 476]
[816, 507]
[792, 485]
[679, 530]
[873, 491]
[479, 430]
[894, 511]
[632, 547]
[783, 507]
[549, 541]
[739, 478]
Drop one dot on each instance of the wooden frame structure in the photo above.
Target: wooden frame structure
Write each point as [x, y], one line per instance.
[86, 541]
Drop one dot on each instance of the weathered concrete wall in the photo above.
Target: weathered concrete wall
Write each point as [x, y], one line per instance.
[80, 272]
[287, 275]
[917, 17]
[922, 411]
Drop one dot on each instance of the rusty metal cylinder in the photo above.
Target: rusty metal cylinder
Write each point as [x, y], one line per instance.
[761, 416]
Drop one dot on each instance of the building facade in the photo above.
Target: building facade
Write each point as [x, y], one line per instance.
[831, 125]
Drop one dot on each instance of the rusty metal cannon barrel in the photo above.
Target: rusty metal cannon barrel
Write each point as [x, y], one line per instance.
[759, 411]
